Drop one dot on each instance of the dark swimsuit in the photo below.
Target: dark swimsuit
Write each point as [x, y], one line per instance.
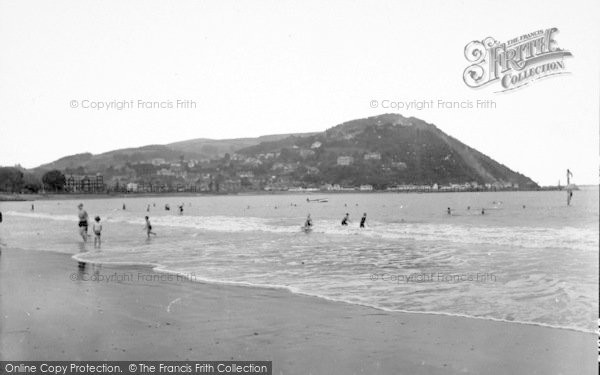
[362, 222]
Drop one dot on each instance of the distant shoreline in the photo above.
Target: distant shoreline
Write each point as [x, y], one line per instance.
[6, 197]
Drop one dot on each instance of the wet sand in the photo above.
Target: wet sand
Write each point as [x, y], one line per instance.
[49, 313]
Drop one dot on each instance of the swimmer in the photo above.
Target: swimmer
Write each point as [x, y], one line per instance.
[124, 208]
[32, 208]
[83, 222]
[363, 219]
[181, 209]
[346, 219]
[97, 229]
[148, 208]
[167, 207]
[148, 227]
[308, 223]
[483, 211]
[449, 211]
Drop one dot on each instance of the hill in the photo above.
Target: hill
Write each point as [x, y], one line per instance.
[201, 148]
[383, 151]
[386, 150]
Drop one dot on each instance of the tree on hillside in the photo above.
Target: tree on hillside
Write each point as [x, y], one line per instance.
[54, 180]
[11, 179]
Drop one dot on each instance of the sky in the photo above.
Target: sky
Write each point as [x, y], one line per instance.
[268, 67]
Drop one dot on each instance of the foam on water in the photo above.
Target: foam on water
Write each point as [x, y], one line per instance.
[526, 237]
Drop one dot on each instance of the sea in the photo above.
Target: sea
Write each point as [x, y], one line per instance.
[522, 257]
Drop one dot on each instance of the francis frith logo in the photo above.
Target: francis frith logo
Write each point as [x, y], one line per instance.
[515, 63]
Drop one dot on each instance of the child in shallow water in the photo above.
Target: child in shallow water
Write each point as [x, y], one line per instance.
[148, 227]
[97, 228]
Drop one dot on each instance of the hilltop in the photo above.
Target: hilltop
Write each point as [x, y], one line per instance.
[379, 152]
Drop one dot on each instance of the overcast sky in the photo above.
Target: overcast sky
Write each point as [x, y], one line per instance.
[268, 67]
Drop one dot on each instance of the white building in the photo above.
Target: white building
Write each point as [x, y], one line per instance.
[132, 187]
[345, 160]
[372, 156]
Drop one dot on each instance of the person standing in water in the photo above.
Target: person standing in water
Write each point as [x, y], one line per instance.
[569, 187]
[148, 227]
[97, 229]
[308, 223]
[346, 219]
[181, 209]
[83, 222]
[363, 219]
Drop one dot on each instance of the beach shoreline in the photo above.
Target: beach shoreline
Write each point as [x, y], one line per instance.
[68, 316]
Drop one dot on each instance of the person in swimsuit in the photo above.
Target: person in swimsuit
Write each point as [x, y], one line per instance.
[97, 229]
[181, 209]
[83, 222]
[148, 227]
[308, 223]
[346, 219]
[363, 219]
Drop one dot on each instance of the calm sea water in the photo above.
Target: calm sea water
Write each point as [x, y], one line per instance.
[529, 259]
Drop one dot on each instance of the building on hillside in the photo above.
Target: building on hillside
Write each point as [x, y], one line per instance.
[345, 160]
[306, 153]
[372, 156]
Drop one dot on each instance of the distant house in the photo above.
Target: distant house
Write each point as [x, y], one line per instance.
[132, 187]
[85, 184]
[372, 156]
[316, 144]
[306, 153]
[165, 172]
[345, 160]
[158, 161]
[366, 187]
[399, 164]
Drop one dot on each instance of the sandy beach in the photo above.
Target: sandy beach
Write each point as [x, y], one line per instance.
[49, 313]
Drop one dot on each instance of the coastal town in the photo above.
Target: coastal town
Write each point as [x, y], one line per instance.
[231, 174]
